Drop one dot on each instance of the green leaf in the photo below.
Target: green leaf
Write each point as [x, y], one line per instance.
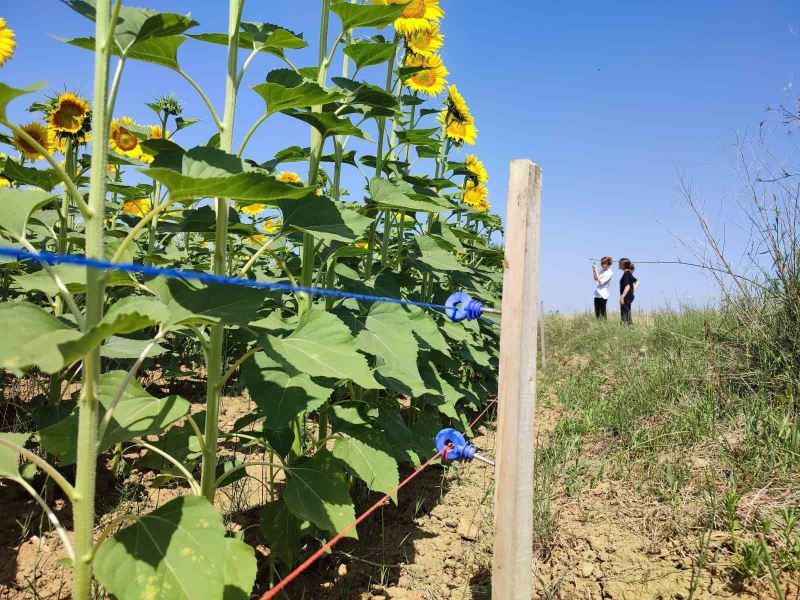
[16, 207]
[326, 219]
[427, 329]
[279, 395]
[47, 179]
[387, 196]
[355, 15]
[138, 414]
[327, 124]
[176, 552]
[436, 257]
[29, 335]
[136, 25]
[193, 302]
[261, 37]
[366, 458]
[317, 491]
[159, 51]
[72, 276]
[8, 94]
[240, 570]
[125, 316]
[321, 346]
[205, 172]
[303, 94]
[282, 530]
[127, 348]
[9, 460]
[366, 54]
[389, 336]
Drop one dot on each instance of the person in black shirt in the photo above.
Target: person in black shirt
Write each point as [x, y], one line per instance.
[627, 288]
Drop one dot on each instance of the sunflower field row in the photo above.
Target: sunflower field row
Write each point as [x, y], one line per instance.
[380, 198]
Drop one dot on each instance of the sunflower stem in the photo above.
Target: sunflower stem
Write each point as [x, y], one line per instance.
[88, 413]
[204, 96]
[217, 334]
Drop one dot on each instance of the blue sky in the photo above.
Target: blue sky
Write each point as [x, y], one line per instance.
[607, 97]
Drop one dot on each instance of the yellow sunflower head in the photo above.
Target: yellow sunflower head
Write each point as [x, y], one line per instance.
[4, 183]
[156, 133]
[259, 239]
[137, 208]
[477, 168]
[272, 225]
[417, 14]
[363, 245]
[122, 139]
[475, 194]
[289, 177]
[68, 113]
[426, 41]
[7, 42]
[252, 209]
[431, 79]
[38, 132]
[457, 106]
[458, 131]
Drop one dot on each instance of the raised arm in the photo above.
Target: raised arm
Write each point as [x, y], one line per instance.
[595, 274]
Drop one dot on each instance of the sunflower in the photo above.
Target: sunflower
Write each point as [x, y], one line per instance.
[252, 209]
[457, 119]
[417, 14]
[156, 133]
[459, 132]
[426, 41]
[363, 245]
[272, 225]
[259, 239]
[38, 132]
[289, 177]
[122, 140]
[68, 113]
[477, 168]
[430, 80]
[137, 208]
[457, 106]
[3, 181]
[7, 43]
[475, 194]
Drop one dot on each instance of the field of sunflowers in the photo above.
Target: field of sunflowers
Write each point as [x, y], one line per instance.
[347, 392]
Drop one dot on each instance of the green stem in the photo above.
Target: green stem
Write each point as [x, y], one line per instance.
[199, 90]
[85, 474]
[401, 234]
[217, 336]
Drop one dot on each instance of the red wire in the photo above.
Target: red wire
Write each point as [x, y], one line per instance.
[382, 502]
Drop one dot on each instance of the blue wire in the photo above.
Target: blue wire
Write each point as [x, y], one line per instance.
[104, 265]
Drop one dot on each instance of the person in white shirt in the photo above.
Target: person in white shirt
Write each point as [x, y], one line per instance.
[602, 277]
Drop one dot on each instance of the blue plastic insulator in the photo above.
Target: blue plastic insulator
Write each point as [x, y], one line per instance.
[460, 449]
[461, 306]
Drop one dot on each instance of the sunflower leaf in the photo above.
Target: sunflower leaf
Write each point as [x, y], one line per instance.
[16, 207]
[45, 179]
[356, 15]
[8, 93]
[387, 195]
[9, 460]
[327, 124]
[303, 95]
[159, 51]
[366, 54]
[261, 37]
[365, 457]
[205, 172]
[326, 219]
[178, 551]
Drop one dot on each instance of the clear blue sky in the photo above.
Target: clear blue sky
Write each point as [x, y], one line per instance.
[606, 97]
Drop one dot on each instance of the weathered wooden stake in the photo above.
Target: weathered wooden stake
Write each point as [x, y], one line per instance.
[512, 577]
[542, 348]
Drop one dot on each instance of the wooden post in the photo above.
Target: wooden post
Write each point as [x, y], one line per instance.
[512, 577]
[542, 348]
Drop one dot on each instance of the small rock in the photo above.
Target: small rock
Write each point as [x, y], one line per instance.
[452, 523]
[342, 571]
[381, 597]
[327, 585]
[587, 569]
[450, 563]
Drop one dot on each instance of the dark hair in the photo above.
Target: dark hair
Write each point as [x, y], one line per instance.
[606, 260]
[632, 267]
[625, 263]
